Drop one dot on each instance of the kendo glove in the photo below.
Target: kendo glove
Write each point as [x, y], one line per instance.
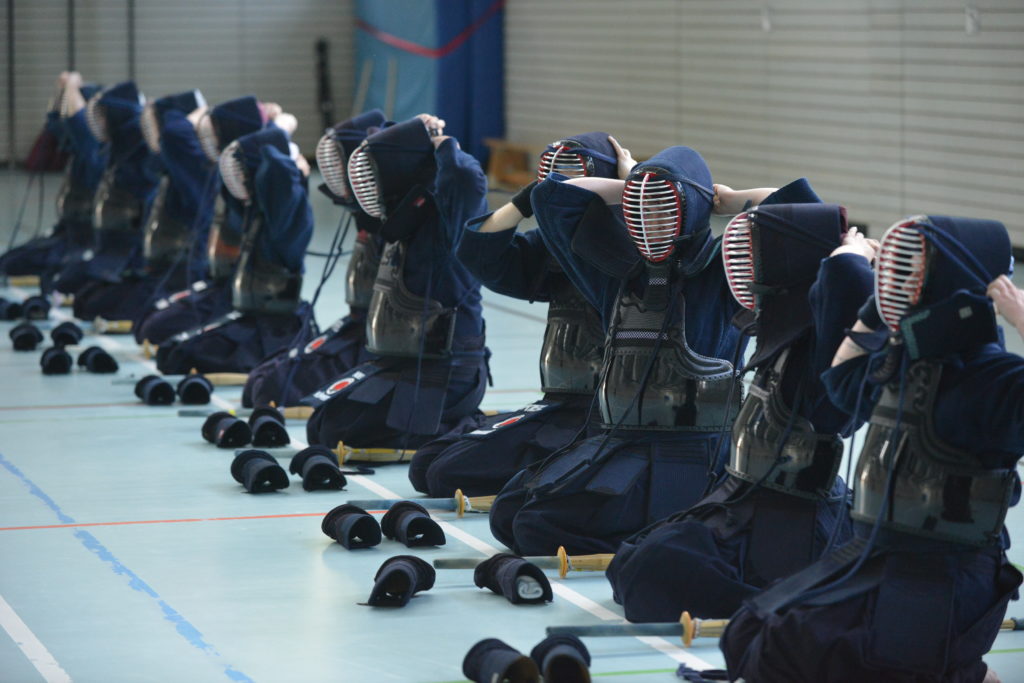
[868, 314]
[521, 200]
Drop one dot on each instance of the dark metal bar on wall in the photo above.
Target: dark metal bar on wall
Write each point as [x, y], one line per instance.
[131, 40]
[10, 84]
[71, 35]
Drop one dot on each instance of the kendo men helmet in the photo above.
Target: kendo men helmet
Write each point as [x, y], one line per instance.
[240, 159]
[227, 122]
[667, 201]
[337, 145]
[776, 248]
[589, 154]
[110, 108]
[388, 164]
[931, 278]
[151, 119]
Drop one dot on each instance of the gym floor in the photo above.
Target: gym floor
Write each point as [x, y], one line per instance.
[130, 554]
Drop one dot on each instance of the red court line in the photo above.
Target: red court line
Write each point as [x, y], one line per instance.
[169, 521]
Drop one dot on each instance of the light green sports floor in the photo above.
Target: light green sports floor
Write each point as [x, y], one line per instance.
[128, 553]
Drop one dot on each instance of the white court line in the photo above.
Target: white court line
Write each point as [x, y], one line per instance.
[33, 649]
[663, 646]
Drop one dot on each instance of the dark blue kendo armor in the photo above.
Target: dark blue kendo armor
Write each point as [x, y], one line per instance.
[72, 234]
[73, 230]
[427, 195]
[770, 516]
[125, 190]
[171, 218]
[339, 348]
[609, 486]
[279, 227]
[290, 374]
[217, 239]
[919, 595]
[482, 456]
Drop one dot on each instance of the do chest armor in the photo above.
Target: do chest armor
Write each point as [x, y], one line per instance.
[572, 354]
[361, 273]
[938, 490]
[260, 286]
[807, 463]
[683, 391]
[74, 202]
[223, 246]
[116, 209]
[165, 237]
[400, 323]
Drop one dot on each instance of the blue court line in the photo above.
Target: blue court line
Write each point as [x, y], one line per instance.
[185, 629]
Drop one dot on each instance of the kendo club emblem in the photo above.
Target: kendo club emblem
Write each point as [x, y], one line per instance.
[339, 385]
[316, 344]
[509, 421]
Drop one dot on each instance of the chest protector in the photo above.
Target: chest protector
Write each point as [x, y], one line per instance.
[116, 209]
[362, 272]
[939, 491]
[573, 349]
[74, 202]
[165, 237]
[805, 466]
[401, 323]
[684, 391]
[224, 246]
[260, 286]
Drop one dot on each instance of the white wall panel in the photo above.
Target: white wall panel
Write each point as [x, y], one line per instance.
[225, 48]
[888, 106]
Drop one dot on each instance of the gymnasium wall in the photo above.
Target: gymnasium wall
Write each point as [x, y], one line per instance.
[225, 48]
[890, 107]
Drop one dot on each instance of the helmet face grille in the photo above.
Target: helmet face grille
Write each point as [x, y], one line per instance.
[364, 182]
[900, 272]
[207, 135]
[738, 259]
[330, 159]
[96, 119]
[653, 209]
[150, 128]
[232, 172]
[561, 160]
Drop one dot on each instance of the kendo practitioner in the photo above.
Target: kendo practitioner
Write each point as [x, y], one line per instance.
[667, 391]
[285, 377]
[209, 296]
[73, 231]
[480, 457]
[780, 503]
[425, 321]
[128, 184]
[919, 593]
[173, 214]
[265, 172]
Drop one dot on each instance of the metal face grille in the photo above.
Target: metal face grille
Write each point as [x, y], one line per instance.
[738, 259]
[331, 160]
[364, 182]
[207, 135]
[561, 160]
[96, 118]
[653, 209]
[900, 272]
[150, 128]
[232, 172]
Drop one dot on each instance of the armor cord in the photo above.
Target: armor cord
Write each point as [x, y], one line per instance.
[334, 254]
